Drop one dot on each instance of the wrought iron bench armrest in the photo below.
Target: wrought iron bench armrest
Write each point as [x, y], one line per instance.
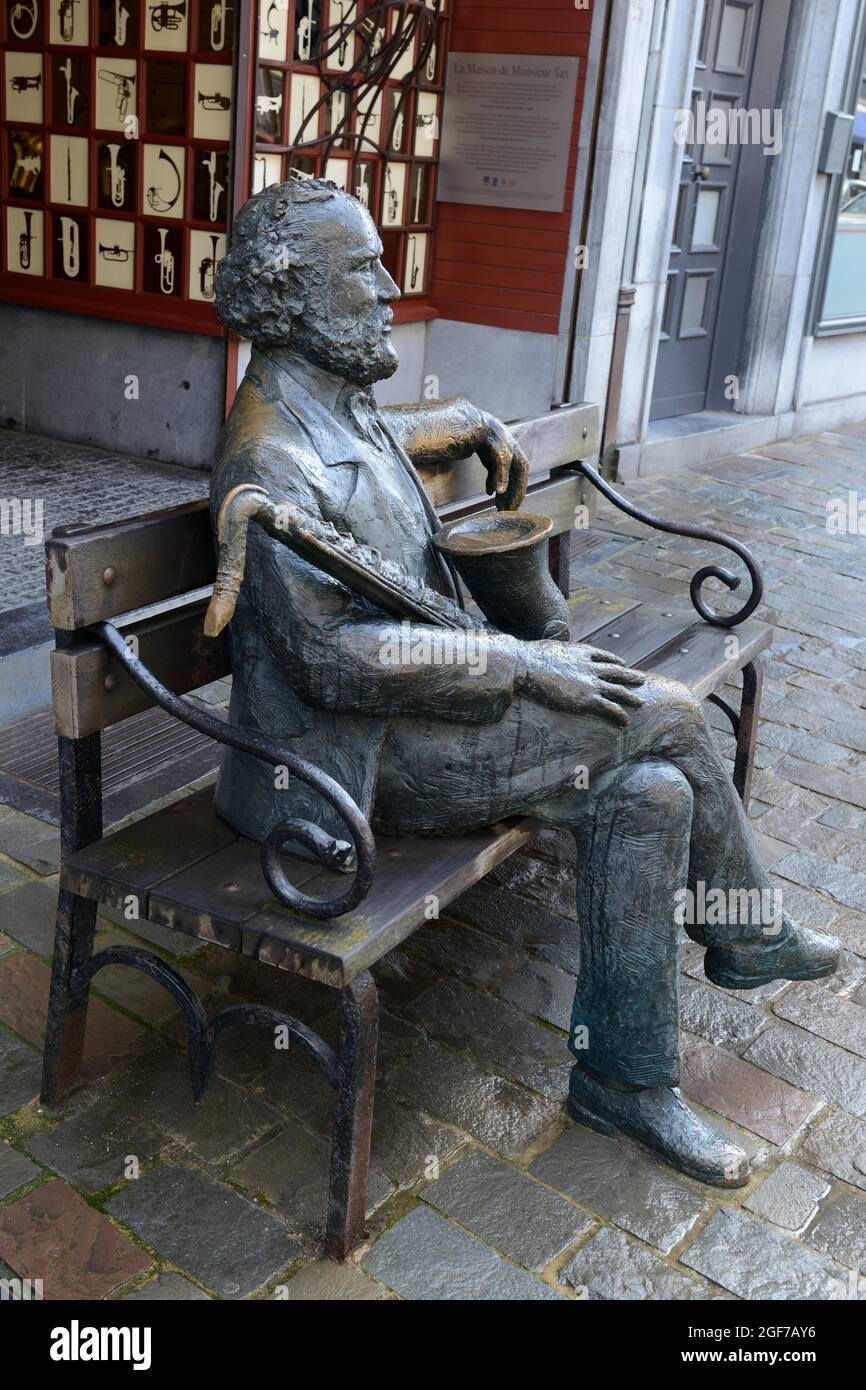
[699, 533]
[331, 853]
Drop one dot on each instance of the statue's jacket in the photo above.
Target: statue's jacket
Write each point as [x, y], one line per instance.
[316, 668]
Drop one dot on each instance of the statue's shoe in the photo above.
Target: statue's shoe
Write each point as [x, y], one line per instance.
[659, 1117]
[799, 954]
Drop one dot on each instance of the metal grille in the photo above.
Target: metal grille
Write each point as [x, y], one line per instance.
[143, 758]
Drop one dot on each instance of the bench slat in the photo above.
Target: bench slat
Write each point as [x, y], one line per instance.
[699, 657]
[214, 897]
[592, 610]
[153, 557]
[134, 860]
[549, 441]
[556, 497]
[172, 645]
[408, 872]
[192, 874]
[636, 635]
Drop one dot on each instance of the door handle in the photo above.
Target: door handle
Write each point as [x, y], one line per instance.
[702, 172]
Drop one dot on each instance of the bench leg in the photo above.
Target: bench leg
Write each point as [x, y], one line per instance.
[747, 731]
[68, 995]
[350, 1150]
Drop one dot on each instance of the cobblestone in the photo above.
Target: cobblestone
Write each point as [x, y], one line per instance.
[206, 1229]
[622, 1183]
[752, 1261]
[718, 1017]
[16, 1170]
[799, 1057]
[838, 1145]
[165, 1288]
[840, 1231]
[789, 1197]
[92, 1149]
[425, 1258]
[20, 1071]
[507, 1209]
[500, 1038]
[612, 1267]
[818, 1011]
[745, 1094]
[326, 1282]
[29, 915]
[53, 1235]
[111, 1038]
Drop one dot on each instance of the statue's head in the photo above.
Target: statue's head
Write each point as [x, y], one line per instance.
[304, 271]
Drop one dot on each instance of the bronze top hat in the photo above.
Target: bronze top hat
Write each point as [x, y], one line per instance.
[502, 559]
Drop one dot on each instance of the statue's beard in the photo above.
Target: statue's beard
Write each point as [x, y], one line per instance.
[358, 350]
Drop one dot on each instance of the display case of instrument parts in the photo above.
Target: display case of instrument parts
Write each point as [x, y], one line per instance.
[352, 90]
[116, 129]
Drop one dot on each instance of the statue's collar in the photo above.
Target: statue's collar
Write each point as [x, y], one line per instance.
[323, 403]
[326, 388]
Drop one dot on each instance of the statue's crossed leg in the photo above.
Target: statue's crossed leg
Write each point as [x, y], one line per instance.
[633, 838]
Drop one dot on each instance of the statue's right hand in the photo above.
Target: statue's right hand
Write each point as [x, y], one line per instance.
[580, 680]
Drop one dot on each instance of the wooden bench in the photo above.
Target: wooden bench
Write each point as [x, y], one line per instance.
[148, 580]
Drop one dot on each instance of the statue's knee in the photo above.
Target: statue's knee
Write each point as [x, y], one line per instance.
[658, 792]
[687, 707]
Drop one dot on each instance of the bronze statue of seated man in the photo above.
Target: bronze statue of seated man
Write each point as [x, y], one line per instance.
[427, 747]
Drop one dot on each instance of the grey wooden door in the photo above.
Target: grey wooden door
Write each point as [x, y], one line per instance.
[718, 209]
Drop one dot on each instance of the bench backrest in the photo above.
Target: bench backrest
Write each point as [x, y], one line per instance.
[152, 574]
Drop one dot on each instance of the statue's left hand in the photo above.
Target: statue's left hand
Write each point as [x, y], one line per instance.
[507, 465]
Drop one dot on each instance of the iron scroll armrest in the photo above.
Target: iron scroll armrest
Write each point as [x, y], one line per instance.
[699, 533]
[331, 853]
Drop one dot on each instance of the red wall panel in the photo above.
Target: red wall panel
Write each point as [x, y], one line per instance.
[505, 266]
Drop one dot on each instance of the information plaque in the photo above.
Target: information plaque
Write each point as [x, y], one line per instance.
[506, 130]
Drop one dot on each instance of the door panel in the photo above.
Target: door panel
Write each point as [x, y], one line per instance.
[722, 81]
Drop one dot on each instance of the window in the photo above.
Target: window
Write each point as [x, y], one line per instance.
[841, 294]
[116, 123]
[353, 91]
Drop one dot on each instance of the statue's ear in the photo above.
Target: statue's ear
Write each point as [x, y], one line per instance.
[291, 286]
[294, 299]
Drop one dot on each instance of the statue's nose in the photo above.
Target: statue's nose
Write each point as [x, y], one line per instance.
[387, 288]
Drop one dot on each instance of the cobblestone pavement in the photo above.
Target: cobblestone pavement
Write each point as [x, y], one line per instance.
[481, 1188]
[75, 484]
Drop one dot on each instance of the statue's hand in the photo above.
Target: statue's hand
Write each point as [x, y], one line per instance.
[507, 465]
[580, 680]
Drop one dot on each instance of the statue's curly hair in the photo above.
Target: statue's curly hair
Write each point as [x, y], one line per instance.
[271, 241]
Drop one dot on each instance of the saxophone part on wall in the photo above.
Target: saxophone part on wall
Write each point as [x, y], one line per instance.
[121, 23]
[307, 25]
[219, 25]
[69, 22]
[206, 250]
[72, 92]
[215, 188]
[70, 247]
